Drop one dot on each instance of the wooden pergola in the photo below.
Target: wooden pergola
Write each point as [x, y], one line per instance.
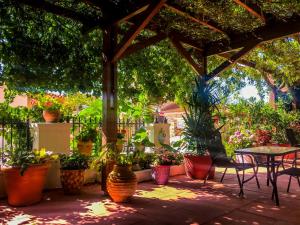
[201, 33]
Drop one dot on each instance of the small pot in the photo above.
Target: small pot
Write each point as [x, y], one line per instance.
[72, 181]
[51, 116]
[85, 147]
[121, 183]
[161, 174]
[27, 189]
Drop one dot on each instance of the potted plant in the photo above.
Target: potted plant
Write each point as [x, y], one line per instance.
[141, 139]
[85, 139]
[164, 158]
[72, 171]
[24, 175]
[199, 131]
[121, 182]
[51, 108]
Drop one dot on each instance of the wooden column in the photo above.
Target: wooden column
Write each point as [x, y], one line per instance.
[109, 87]
[109, 96]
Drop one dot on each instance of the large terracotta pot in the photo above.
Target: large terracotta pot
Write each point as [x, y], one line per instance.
[51, 116]
[72, 181]
[85, 147]
[161, 174]
[121, 183]
[197, 167]
[27, 189]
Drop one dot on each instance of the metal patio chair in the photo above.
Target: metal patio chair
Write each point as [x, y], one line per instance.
[221, 160]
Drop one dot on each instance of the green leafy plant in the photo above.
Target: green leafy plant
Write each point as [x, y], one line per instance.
[141, 138]
[22, 158]
[74, 161]
[199, 131]
[87, 134]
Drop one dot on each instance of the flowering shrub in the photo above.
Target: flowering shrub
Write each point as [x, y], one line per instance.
[46, 102]
[167, 157]
[263, 137]
[241, 139]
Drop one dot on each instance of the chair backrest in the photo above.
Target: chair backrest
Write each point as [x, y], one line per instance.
[290, 135]
[216, 148]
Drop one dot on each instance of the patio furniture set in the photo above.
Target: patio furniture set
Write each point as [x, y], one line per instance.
[269, 157]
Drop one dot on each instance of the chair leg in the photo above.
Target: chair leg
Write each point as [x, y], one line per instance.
[207, 175]
[288, 188]
[256, 178]
[223, 175]
[240, 183]
[298, 181]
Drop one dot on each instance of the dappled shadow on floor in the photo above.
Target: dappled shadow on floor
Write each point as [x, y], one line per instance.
[182, 201]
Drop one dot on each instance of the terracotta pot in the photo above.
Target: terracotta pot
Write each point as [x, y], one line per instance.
[85, 147]
[121, 183]
[161, 174]
[51, 116]
[27, 189]
[196, 167]
[72, 181]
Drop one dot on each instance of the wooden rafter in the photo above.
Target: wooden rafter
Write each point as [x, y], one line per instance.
[198, 68]
[233, 59]
[210, 24]
[252, 8]
[60, 11]
[273, 30]
[121, 16]
[151, 11]
[186, 40]
[143, 44]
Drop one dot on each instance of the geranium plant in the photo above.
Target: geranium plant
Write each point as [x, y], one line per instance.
[48, 103]
[263, 137]
[163, 156]
[74, 161]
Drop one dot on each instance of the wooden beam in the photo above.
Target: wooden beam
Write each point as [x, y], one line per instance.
[60, 11]
[120, 16]
[181, 11]
[273, 30]
[143, 44]
[233, 59]
[186, 40]
[151, 11]
[198, 68]
[252, 8]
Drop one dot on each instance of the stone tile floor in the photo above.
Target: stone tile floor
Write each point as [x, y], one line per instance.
[182, 201]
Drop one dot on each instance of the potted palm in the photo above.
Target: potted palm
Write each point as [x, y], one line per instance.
[85, 139]
[72, 172]
[24, 175]
[200, 132]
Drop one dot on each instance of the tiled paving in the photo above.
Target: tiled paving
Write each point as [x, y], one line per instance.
[182, 201]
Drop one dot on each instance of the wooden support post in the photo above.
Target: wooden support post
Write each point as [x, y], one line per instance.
[109, 94]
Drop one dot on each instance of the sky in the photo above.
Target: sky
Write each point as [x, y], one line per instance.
[249, 91]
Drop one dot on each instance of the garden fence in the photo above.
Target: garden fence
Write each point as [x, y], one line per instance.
[17, 134]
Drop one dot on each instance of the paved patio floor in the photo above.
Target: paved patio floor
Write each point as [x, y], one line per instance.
[182, 201]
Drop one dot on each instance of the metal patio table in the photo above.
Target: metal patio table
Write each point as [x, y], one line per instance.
[270, 152]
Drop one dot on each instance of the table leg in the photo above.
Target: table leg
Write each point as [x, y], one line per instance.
[273, 179]
[268, 171]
